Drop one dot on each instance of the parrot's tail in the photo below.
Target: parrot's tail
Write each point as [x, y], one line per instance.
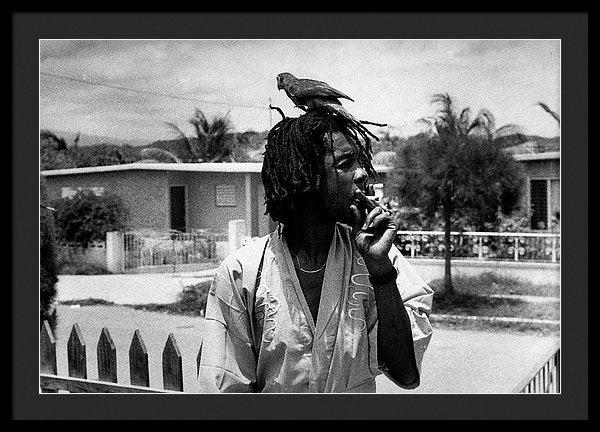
[360, 128]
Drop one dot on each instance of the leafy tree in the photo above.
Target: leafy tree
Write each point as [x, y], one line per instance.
[104, 154]
[57, 142]
[459, 171]
[56, 154]
[86, 217]
[48, 261]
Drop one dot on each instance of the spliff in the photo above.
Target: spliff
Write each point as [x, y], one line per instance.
[368, 202]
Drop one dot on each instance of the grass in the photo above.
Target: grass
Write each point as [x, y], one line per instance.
[190, 302]
[471, 297]
[493, 283]
[469, 304]
[480, 325]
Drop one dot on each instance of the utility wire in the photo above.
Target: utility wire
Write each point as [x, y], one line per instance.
[116, 87]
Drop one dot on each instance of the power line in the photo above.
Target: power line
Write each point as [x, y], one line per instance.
[116, 87]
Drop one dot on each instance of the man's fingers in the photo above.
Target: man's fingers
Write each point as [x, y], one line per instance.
[371, 216]
[356, 217]
[377, 220]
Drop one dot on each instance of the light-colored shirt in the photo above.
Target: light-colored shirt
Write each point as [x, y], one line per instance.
[263, 338]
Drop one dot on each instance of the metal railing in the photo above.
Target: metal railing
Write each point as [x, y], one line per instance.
[544, 377]
[510, 246]
[147, 249]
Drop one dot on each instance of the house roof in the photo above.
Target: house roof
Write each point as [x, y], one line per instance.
[536, 156]
[539, 145]
[230, 167]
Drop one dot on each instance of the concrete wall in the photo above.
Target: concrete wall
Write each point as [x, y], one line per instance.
[536, 273]
[202, 211]
[144, 193]
[146, 197]
[542, 168]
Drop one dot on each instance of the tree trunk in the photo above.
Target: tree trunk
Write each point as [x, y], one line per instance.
[448, 288]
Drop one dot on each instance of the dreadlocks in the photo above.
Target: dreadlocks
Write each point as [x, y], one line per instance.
[294, 153]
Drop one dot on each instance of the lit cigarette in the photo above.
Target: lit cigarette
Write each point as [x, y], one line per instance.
[370, 202]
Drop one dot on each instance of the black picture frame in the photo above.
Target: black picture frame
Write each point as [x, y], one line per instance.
[570, 28]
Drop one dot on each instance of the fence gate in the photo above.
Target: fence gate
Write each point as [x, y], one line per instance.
[144, 249]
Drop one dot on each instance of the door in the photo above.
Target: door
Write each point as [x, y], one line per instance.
[177, 198]
[539, 204]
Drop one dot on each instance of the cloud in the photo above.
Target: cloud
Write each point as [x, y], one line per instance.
[391, 81]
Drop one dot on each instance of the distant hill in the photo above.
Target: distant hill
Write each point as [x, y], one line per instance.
[87, 140]
[249, 146]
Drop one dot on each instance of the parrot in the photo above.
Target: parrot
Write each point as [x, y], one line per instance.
[309, 94]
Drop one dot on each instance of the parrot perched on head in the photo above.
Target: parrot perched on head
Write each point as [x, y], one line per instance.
[309, 94]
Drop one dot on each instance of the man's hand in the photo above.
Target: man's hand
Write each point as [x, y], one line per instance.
[374, 233]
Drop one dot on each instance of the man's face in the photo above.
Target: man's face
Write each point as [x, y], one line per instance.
[341, 176]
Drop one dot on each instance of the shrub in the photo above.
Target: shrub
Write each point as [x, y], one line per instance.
[86, 217]
[48, 263]
[80, 267]
[192, 300]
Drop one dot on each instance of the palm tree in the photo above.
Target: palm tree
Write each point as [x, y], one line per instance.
[210, 143]
[461, 170]
[549, 111]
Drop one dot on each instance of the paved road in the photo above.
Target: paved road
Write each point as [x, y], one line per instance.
[457, 361]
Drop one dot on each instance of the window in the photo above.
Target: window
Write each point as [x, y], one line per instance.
[226, 196]
[69, 192]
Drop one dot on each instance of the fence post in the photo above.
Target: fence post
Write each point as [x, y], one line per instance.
[480, 256]
[236, 232]
[115, 252]
[412, 246]
[517, 246]
[107, 357]
[138, 361]
[47, 353]
[553, 249]
[172, 365]
[76, 354]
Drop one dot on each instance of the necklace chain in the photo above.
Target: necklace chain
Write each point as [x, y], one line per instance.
[309, 271]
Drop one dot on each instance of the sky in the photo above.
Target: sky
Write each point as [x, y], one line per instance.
[129, 89]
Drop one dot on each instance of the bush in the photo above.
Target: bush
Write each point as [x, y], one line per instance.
[48, 264]
[86, 217]
[79, 267]
[192, 300]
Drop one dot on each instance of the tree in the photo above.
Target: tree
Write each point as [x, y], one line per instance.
[87, 217]
[546, 108]
[459, 171]
[56, 154]
[48, 264]
[211, 142]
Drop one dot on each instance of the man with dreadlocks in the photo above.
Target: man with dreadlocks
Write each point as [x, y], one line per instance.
[325, 303]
